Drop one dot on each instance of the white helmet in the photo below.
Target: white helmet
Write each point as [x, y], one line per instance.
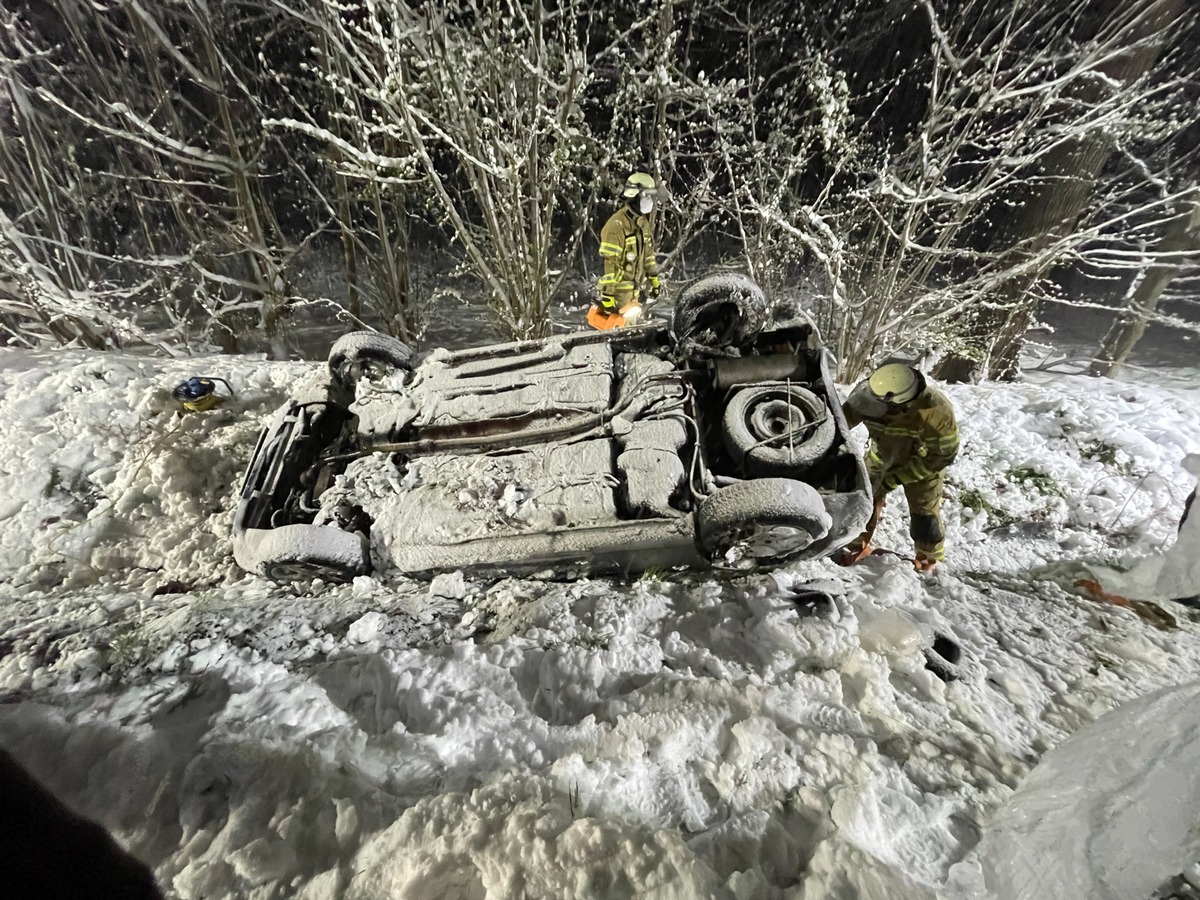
[636, 184]
[639, 191]
[895, 383]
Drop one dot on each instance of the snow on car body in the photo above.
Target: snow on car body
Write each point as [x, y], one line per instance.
[717, 441]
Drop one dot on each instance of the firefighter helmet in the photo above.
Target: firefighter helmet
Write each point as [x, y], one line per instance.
[638, 183]
[895, 383]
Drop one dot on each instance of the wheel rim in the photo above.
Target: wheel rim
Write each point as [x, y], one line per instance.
[307, 571]
[339, 367]
[367, 367]
[777, 417]
[746, 547]
[364, 365]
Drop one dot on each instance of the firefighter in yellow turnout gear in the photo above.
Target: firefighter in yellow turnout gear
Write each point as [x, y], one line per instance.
[914, 437]
[627, 248]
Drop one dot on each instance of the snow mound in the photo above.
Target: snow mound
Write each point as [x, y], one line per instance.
[1110, 812]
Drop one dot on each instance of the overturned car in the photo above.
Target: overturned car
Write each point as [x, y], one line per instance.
[717, 440]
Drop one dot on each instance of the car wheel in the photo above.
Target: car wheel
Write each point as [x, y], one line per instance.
[361, 352]
[303, 552]
[719, 313]
[762, 521]
[778, 428]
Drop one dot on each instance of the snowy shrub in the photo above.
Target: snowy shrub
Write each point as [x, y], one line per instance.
[978, 502]
[1039, 482]
[953, 236]
[912, 172]
[481, 106]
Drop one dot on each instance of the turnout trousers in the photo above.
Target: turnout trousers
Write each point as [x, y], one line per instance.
[925, 512]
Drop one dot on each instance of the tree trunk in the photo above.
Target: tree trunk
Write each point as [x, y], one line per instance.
[349, 250]
[1181, 236]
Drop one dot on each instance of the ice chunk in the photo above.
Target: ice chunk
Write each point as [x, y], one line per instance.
[1110, 812]
[1179, 576]
[366, 628]
[449, 585]
[893, 633]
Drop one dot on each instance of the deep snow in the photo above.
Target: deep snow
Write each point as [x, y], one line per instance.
[685, 736]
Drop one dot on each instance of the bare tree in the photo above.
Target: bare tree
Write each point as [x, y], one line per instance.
[369, 199]
[162, 108]
[482, 102]
[49, 272]
[937, 237]
[199, 169]
[1101, 96]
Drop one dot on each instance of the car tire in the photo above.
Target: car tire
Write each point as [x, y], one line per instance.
[768, 413]
[304, 552]
[719, 313]
[354, 354]
[764, 520]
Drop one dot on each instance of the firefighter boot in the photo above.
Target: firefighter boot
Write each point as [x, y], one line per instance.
[924, 564]
[852, 553]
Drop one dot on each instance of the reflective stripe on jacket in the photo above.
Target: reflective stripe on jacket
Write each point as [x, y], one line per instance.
[627, 248]
[913, 441]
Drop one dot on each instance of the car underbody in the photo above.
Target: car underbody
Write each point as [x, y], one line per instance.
[618, 451]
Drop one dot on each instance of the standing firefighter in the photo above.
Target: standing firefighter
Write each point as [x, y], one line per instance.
[914, 437]
[627, 248]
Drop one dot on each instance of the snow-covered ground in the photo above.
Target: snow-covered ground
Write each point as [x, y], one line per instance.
[681, 736]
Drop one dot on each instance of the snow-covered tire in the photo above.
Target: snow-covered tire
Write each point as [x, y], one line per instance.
[794, 422]
[765, 520]
[304, 552]
[719, 313]
[354, 354]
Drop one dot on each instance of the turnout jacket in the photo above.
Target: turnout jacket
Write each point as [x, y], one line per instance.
[627, 248]
[911, 442]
